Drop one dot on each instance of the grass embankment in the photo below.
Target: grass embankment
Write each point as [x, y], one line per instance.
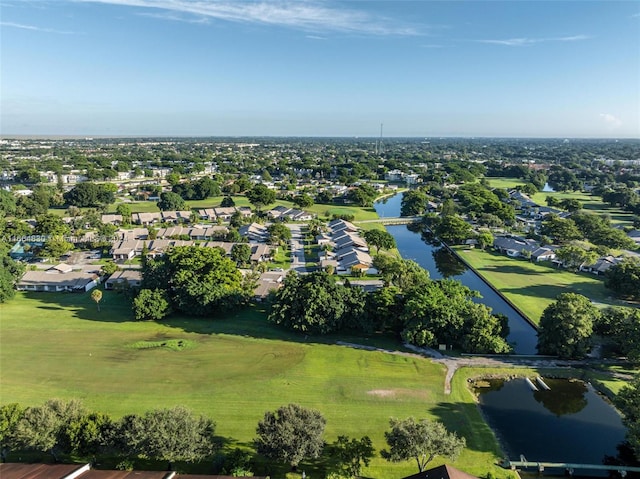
[235, 369]
[533, 286]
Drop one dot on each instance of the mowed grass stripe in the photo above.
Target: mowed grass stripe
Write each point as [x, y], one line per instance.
[236, 368]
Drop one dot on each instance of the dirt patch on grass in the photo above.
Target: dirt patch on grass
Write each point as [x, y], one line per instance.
[398, 393]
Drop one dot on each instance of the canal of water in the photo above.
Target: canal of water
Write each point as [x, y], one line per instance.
[441, 263]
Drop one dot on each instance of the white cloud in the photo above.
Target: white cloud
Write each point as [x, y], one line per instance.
[611, 121]
[33, 28]
[304, 15]
[519, 42]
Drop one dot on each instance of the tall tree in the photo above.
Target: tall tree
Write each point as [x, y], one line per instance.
[170, 435]
[566, 326]
[314, 303]
[624, 279]
[380, 239]
[42, 428]
[420, 440]
[291, 434]
[170, 201]
[260, 196]
[151, 305]
[241, 253]
[198, 280]
[96, 295]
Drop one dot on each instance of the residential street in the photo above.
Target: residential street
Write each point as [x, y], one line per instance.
[297, 248]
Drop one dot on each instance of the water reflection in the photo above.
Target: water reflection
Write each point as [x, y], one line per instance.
[565, 397]
[570, 423]
[447, 263]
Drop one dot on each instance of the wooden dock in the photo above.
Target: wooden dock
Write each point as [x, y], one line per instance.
[541, 466]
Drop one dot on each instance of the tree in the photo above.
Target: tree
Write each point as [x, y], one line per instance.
[414, 202]
[90, 194]
[562, 230]
[56, 246]
[291, 434]
[362, 195]
[422, 441]
[171, 435]
[485, 239]
[108, 268]
[566, 326]
[628, 402]
[303, 201]
[89, 433]
[380, 239]
[575, 257]
[278, 233]
[571, 204]
[96, 295]
[314, 303]
[151, 305]
[352, 454]
[7, 204]
[442, 312]
[451, 229]
[170, 201]
[124, 210]
[10, 271]
[622, 326]
[241, 253]
[10, 416]
[624, 279]
[261, 196]
[50, 225]
[42, 428]
[200, 281]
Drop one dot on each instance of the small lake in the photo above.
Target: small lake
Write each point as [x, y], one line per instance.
[441, 263]
[569, 423]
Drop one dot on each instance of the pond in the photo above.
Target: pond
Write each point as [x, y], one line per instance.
[441, 263]
[569, 423]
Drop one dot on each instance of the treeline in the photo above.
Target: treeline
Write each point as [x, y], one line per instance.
[289, 435]
[417, 309]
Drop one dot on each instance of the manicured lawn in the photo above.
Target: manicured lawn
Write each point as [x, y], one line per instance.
[233, 370]
[533, 286]
[506, 183]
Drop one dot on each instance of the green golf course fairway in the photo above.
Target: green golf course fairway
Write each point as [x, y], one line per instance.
[231, 369]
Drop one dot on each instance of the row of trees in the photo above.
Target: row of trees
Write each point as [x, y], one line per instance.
[568, 325]
[420, 311]
[289, 435]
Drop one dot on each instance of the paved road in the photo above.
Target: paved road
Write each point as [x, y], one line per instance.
[298, 262]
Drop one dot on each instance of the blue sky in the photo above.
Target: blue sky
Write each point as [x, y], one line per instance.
[320, 68]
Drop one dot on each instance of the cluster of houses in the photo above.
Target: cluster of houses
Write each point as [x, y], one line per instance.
[518, 247]
[344, 249]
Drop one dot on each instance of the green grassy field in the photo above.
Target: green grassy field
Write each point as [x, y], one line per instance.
[533, 286]
[59, 345]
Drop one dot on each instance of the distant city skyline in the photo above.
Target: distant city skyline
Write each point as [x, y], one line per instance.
[320, 68]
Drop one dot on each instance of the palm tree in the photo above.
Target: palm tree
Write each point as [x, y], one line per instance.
[97, 297]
